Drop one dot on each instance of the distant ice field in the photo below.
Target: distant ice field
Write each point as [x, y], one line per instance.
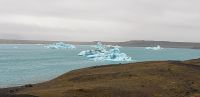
[22, 64]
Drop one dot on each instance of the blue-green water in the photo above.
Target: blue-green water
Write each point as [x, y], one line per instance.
[24, 64]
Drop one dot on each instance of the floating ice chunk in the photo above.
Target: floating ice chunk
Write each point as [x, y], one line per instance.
[117, 46]
[82, 53]
[110, 46]
[114, 54]
[87, 52]
[154, 48]
[100, 47]
[61, 45]
[119, 57]
[100, 53]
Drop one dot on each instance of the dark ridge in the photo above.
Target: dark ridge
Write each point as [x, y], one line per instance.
[132, 43]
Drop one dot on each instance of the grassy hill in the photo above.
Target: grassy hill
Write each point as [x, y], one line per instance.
[143, 79]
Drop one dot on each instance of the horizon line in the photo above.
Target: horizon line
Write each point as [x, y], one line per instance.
[96, 40]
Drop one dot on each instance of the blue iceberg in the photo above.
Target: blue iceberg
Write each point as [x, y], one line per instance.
[61, 45]
[100, 53]
[154, 48]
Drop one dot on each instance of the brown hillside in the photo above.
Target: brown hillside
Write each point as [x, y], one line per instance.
[144, 79]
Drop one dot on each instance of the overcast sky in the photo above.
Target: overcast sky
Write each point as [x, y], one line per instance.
[106, 20]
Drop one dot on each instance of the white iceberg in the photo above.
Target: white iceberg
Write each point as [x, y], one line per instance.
[154, 48]
[61, 45]
[99, 45]
[100, 53]
[110, 46]
[87, 52]
[114, 54]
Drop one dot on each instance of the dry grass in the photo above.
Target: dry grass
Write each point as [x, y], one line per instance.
[145, 79]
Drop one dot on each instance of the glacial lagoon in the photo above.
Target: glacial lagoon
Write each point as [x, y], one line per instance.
[22, 64]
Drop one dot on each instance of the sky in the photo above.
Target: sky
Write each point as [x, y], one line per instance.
[100, 20]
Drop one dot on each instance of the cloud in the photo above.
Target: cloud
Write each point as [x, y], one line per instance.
[108, 20]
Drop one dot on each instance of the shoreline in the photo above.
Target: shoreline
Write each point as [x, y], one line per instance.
[91, 75]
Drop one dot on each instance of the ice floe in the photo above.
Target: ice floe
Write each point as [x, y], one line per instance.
[154, 48]
[61, 45]
[105, 53]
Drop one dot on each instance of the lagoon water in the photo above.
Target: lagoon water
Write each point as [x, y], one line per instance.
[24, 64]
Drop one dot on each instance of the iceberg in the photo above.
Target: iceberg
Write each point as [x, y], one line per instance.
[61, 45]
[86, 53]
[154, 48]
[100, 53]
[110, 46]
